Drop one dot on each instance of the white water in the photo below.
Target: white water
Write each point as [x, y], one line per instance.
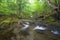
[55, 32]
[25, 26]
[40, 28]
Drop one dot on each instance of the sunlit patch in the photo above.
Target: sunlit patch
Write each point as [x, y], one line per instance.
[40, 1]
[31, 1]
[40, 28]
[31, 16]
[55, 32]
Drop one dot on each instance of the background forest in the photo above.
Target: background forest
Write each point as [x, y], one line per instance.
[14, 14]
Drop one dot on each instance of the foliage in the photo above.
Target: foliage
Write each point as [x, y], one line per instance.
[7, 7]
[26, 8]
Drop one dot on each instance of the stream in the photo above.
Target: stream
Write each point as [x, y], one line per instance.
[33, 31]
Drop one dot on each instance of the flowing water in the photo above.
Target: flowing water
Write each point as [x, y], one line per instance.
[30, 31]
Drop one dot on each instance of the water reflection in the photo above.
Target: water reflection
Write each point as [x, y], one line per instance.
[40, 28]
